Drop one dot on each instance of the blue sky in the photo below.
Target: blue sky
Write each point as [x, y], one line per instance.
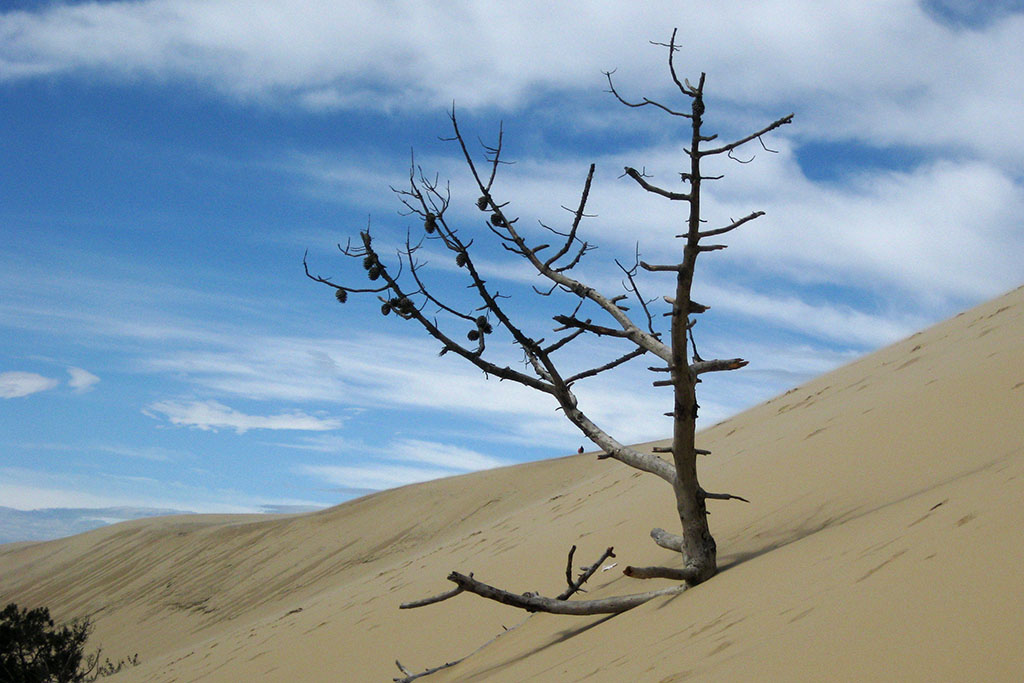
[166, 163]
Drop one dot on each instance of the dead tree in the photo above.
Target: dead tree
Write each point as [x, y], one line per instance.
[403, 290]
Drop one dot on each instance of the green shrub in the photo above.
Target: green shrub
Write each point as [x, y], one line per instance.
[33, 649]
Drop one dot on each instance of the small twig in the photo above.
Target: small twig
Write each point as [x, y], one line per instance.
[722, 496]
[411, 677]
[668, 449]
[625, 358]
[412, 604]
[693, 343]
[575, 586]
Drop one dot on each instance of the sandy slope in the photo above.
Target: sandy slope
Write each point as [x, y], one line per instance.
[883, 542]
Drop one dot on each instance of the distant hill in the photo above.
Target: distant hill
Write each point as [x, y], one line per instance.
[46, 524]
[49, 523]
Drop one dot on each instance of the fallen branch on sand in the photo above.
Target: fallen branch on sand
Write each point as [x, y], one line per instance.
[534, 602]
[531, 602]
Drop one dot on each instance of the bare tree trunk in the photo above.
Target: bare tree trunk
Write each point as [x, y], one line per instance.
[699, 549]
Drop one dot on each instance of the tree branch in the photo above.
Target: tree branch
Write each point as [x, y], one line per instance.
[575, 223]
[675, 196]
[635, 353]
[576, 585]
[645, 102]
[570, 322]
[563, 341]
[413, 604]
[732, 226]
[721, 496]
[556, 275]
[733, 145]
[667, 540]
[668, 449]
[536, 603]
[659, 268]
[660, 573]
[701, 367]
[646, 462]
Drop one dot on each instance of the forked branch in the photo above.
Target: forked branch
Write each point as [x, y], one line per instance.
[532, 602]
[577, 583]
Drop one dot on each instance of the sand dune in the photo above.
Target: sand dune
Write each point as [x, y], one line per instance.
[883, 542]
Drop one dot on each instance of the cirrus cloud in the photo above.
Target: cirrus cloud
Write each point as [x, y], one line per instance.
[212, 415]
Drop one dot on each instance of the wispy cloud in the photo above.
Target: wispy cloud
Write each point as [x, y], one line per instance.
[81, 380]
[398, 462]
[151, 453]
[442, 455]
[831, 322]
[212, 415]
[27, 489]
[374, 476]
[16, 384]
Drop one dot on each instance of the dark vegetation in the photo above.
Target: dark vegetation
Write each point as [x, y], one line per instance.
[34, 649]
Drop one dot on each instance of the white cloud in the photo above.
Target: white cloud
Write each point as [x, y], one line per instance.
[211, 415]
[376, 476]
[441, 455]
[888, 72]
[81, 380]
[26, 489]
[380, 465]
[28, 497]
[400, 462]
[17, 384]
[944, 230]
[363, 369]
[151, 453]
[318, 443]
[832, 322]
